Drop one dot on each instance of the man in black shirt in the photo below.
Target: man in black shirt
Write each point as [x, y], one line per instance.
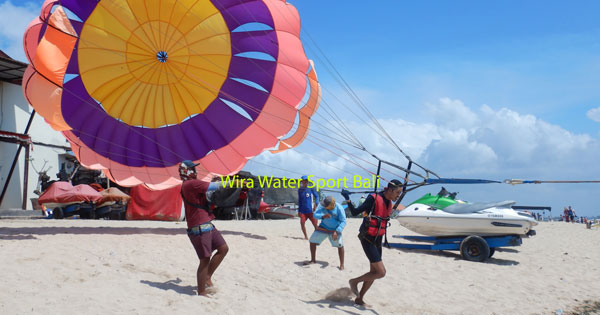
[378, 208]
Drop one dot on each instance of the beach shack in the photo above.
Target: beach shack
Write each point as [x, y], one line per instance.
[27, 144]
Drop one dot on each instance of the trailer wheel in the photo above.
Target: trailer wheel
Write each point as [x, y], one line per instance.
[492, 251]
[57, 213]
[474, 248]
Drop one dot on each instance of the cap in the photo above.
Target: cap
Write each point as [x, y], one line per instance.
[328, 202]
[304, 177]
[189, 163]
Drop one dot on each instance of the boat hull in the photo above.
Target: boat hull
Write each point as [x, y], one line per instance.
[425, 220]
[280, 213]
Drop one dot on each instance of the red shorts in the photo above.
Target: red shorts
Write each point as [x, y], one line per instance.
[304, 216]
[206, 243]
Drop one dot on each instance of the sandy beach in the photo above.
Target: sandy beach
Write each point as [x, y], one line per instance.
[143, 267]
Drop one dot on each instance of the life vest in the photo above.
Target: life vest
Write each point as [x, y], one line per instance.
[379, 217]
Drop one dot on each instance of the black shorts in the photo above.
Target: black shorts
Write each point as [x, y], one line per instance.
[372, 248]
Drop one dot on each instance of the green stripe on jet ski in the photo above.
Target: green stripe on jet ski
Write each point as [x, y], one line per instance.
[435, 201]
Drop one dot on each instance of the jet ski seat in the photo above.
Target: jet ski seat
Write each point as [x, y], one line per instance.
[460, 208]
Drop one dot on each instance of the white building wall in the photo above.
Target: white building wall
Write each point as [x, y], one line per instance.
[14, 115]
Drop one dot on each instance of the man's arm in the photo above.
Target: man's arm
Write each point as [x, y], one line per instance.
[316, 195]
[319, 213]
[366, 206]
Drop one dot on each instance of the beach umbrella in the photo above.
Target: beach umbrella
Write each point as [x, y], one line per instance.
[139, 86]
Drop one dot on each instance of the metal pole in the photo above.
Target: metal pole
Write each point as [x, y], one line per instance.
[404, 191]
[377, 177]
[14, 163]
[25, 176]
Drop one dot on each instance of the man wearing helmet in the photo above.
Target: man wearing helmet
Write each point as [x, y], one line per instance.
[202, 233]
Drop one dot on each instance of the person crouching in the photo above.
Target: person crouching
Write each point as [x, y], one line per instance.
[332, 224]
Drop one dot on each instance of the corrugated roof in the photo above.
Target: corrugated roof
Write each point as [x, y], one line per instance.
[11, 70]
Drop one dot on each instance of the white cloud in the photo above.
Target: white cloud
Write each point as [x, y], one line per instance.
[505, 142]
[13, 21]
[455, 149]
[594, 114]
[461, 143]
[458, 142]
[451, 114]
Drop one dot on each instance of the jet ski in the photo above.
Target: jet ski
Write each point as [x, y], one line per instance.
[444, 215]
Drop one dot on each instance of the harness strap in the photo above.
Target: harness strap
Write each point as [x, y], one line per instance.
[194, 204]
[201, 229]
[388, 224]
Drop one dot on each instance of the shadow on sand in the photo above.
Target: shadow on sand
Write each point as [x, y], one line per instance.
[296, 238]
[244, 234]
[323, 264]
[456, 256]
[17, 237]
[172, 285]
[507, 250]
[29, 232]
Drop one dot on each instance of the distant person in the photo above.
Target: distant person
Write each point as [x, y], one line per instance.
[332, 224]
[571, 214]
[306, 204]
[378, 208]
[202, 233]
[566, 214]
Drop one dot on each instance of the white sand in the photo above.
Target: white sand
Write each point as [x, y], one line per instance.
[129, 267]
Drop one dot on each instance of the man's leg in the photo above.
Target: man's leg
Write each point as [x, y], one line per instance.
[377, 271]
[302, 221]
[314, 221]
[201, 276]
[341, 254]
[313, 253]
[315, 239]
[215, 261]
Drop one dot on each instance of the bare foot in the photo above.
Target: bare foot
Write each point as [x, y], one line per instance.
[203, 293]
[341, 267]
[209, 283]
[309, 262]
[353, 287]
[359, 301]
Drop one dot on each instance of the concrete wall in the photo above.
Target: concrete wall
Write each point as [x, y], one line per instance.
[14, 115]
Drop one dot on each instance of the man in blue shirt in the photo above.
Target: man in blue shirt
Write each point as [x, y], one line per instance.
[332, 224]
[305, 204]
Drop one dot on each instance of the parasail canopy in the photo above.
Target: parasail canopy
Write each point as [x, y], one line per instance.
[139, 86]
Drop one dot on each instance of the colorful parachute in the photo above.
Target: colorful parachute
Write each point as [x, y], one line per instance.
[138, 86]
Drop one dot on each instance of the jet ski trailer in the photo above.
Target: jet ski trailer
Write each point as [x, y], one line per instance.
[471, 247]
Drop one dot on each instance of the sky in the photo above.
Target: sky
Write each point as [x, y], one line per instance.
[468, 89]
